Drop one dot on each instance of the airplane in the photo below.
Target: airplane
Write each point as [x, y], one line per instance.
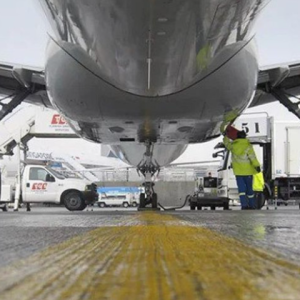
[150, 77]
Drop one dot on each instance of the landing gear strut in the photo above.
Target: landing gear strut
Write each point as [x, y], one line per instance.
[148, 169]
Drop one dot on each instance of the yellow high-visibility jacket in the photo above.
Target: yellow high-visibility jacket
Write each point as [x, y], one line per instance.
[244, 160]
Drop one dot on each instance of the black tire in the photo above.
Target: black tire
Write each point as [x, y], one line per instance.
[193, 207]
[226, 206]
[125, 204]
[142, 200]
[260, 200]
[213, 208]
[101, 204]
[154, 200]
[199, 207]
[73, 201]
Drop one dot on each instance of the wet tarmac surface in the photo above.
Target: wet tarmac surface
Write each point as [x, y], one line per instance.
[22, 233]
[277, 231]
[263, 244]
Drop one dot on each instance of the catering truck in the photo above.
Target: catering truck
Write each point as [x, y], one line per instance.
[277, 145]
[42, 184]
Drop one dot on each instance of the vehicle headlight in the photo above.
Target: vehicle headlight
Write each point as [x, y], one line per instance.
[91, 187]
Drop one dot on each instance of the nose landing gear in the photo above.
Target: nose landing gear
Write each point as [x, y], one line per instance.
[148, 169]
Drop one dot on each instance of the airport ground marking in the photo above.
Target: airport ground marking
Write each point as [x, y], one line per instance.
[154, 256]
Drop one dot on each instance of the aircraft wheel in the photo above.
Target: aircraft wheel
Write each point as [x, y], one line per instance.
[154, 200]
[142, 200]
[213, 208]
[199, 207]
[193, 207]
[125, 204]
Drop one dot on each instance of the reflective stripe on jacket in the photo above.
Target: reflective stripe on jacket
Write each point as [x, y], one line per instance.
[243, 158]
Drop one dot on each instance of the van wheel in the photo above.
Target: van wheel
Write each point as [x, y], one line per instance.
[73, 201]
[125, 204]
[101, 204]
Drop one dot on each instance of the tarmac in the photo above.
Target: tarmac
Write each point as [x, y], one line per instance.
[51, 253]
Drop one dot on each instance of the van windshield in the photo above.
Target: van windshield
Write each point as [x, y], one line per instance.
[55, 173]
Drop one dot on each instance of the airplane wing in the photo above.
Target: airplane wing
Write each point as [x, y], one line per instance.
[279, 82]
[20, 83]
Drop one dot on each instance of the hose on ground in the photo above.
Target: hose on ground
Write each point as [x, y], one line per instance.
[187, 198]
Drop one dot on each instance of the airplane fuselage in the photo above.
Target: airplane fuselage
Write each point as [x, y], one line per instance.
[130, 71]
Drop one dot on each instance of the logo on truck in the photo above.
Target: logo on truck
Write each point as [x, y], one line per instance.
[39, 186]
[58, 120]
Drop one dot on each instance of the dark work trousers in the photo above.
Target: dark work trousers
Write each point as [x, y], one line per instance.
[246, 193]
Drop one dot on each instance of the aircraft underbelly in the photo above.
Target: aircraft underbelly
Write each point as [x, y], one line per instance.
[123, 72]
[151, 47]
[106, 114]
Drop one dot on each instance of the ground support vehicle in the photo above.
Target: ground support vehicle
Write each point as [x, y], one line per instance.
[118, 196]
[113, 201]
[288, 190]
[42, 184]
[206, 194]
[277, 147]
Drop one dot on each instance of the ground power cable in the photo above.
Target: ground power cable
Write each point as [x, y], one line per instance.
[187, 198]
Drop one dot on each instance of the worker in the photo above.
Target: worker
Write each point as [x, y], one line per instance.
[245, 165]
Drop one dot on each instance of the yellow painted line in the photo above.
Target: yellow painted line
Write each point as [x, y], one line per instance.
[157, 258]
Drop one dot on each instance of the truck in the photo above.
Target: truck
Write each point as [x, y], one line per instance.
[276, 144]
[206, 195]
[118, 196]
[42, 184]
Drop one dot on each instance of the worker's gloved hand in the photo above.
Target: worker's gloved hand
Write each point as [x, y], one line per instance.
[258, 169]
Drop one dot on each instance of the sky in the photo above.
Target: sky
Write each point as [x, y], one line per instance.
[23, 33]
